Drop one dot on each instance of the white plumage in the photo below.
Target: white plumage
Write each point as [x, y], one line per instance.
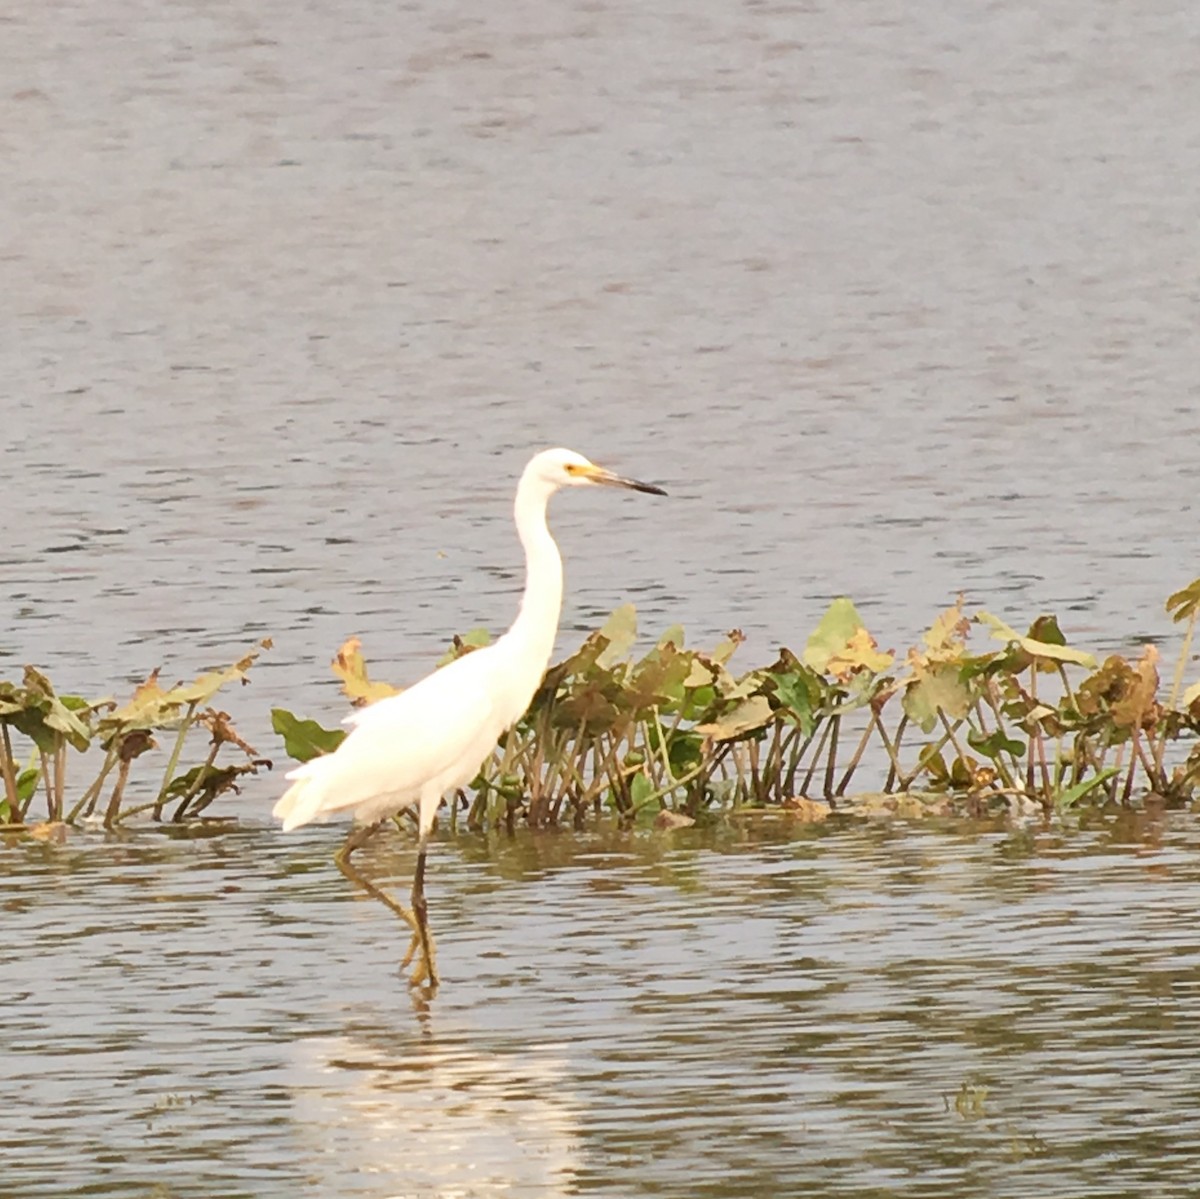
[414, 747]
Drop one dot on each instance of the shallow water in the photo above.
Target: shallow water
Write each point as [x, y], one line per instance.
[885, 1011]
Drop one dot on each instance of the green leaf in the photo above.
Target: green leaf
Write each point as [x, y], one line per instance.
[304, 739]
[799, 692]
[640, 789]
[27, 782]
[1066, 798]
[995, 744]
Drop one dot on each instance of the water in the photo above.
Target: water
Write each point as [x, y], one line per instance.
[884, 1011]
[896, 301]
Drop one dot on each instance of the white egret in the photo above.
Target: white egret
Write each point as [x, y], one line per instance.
[414, 747]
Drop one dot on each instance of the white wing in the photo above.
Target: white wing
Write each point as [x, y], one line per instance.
[438, 731]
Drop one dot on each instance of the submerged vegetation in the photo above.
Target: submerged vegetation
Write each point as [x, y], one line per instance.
[1029, 723]
[1022, 723]
[44, 735]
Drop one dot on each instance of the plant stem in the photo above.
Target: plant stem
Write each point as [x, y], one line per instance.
[173, 761]
[10, 777]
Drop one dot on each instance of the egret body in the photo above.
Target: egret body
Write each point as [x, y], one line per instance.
[413, 748]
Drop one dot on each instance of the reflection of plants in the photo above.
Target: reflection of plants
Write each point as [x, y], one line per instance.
[1034, 720]
[51, 725]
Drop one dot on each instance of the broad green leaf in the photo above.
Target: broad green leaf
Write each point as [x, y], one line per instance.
[640, 788]
[799, 692]
[995, 744]
[304, 739]
[27, 782]
[1066, 798]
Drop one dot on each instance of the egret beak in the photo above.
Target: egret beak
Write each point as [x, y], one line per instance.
[597, 474]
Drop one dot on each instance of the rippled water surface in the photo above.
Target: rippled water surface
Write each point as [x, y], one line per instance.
[895, 299]
[879, 1011]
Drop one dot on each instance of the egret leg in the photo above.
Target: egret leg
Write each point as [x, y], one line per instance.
[358, 836]
[426, 968]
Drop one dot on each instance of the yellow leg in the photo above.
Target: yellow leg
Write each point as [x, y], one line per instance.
[425, 969]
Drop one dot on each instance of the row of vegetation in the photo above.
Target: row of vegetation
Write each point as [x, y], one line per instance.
[77, 755]
[1027, 720]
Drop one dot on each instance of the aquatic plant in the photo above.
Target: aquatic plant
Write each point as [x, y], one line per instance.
[1030, 720]
[43, 735]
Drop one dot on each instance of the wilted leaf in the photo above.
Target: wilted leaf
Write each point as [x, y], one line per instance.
[1137, 708]
[947, 636]
[461, 645]
[750, 715]
[840, 622]
[1183, 605]
[666, 820]
[673, 636]
[620, 631]
[206, 685]
[841, 646]
[1035, 648]
[938, 686]
[725, 649]
[223, 733]
[350, 667]
[304, 739]
[810, 811]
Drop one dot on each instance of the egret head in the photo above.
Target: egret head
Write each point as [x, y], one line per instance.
[565, 468]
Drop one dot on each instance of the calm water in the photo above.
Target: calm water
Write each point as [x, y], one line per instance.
[896, 300]
[895, 1011]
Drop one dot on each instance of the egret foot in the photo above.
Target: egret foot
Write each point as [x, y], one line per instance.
[426, 968]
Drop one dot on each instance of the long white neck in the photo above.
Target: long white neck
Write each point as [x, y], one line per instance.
[530, 642]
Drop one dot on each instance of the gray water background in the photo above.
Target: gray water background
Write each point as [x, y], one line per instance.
[894, 300]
